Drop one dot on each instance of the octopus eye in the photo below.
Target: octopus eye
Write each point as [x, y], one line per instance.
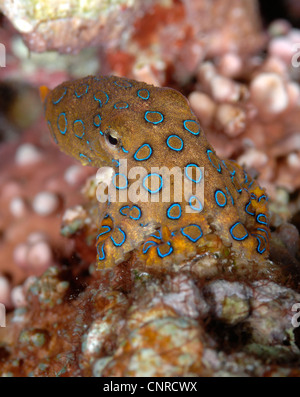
[112, 138]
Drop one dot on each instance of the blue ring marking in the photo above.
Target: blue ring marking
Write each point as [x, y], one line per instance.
[150, 244]
[171, 147]
[66, 123]
[83, 131]
[238, 190]
[193, 121]
[159, 188]
[217, 200]
[200, 206]
[140, 213]
[245, 177]
[166, 254]
[117, 161]
[194, 240]
[105, 232]
[170, 208]
[52, 132]
[144, 224]
[124, 150]
[145, 158]
[157, 237]
[264, 231]
[250, 184]
[187, 175]
[122, 208]
[246, 209]
[229, 194]
[233, 236]
[114, 182]
[97, 120]
[121, 105]
[230, 172]
[140, 96]
[102, 257]
[153, 122]
[60, 98]
[122, 242]
[99, 100]
[85, 157]
[259, 250]
[208, 151]
[263, 196]
[86, 90]
[123, 83]
[262, 222]
[253, 196]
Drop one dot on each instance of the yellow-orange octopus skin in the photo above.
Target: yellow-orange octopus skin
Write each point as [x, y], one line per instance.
[102, 121]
